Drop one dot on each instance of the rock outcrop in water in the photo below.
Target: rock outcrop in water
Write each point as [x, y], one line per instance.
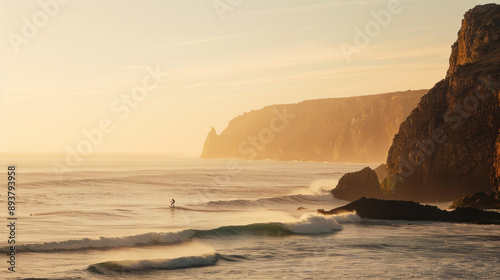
[449, 146]
[412, 211]
[353, 186]
[352, 129]
[478, 200]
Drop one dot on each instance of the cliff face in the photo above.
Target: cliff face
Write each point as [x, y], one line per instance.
[354, 129]
[449, 145]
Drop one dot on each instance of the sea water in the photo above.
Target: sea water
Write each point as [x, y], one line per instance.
[111, 219]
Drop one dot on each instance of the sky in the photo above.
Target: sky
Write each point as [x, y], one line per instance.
[153, 76]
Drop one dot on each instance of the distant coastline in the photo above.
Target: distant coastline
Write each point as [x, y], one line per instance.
[351, 129]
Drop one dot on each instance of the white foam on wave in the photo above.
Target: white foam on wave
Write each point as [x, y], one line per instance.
[347, 218]
[312, 223]
[315, 224]
[143, 265]
[322, 186]
[317, 187]
[307, 224]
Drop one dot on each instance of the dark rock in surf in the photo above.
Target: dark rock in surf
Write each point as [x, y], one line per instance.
[478, 200]
[355, 185]
[413, 211]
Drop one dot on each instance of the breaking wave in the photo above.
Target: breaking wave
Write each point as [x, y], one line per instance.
[108, 242]
[145, 265]
[113, 267]
[308, 224]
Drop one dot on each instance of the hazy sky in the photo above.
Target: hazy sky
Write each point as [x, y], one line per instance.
[64, 66]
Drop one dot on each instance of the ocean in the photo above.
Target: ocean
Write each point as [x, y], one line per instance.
[111, 219]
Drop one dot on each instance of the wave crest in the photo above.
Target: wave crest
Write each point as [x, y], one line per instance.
[262, 229]
[314, 224]
[308, 224]
[271, 202]
[144, 265]
[109, 242]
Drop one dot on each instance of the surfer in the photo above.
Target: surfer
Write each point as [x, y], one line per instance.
[172, 202]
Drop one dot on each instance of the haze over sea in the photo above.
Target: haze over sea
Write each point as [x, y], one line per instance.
[111, 219]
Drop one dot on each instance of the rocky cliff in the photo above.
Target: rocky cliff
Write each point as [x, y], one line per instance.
[450, 144]
[353, 129]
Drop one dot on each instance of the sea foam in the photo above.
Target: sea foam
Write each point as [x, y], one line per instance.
[310, 224]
